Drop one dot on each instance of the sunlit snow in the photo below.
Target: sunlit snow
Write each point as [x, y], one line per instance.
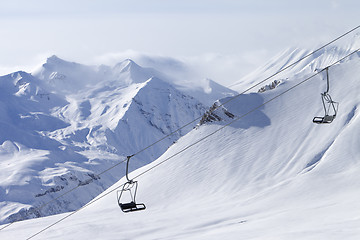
[273, 174]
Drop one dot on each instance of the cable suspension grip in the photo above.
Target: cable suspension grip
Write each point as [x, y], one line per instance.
[327, 80]
[127, 168]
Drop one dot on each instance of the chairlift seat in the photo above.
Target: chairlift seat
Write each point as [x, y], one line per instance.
[329, 105]
[325, 119]
[130, 187]
[131, 207]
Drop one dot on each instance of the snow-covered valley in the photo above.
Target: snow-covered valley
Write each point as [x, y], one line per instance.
[273, 174]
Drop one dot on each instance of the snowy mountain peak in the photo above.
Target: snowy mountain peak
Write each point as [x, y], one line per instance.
[126, 65]
[156, 110]
[19, 83]
[129, 72]
[64, 77]
[54, 63]
[17, 77]
[54, 59]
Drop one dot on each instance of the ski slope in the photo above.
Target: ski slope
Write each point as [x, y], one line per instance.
[272, 174]
[312, 62]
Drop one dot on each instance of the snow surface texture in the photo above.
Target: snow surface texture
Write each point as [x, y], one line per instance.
[271, 175]
[314, 62]
[65, 123]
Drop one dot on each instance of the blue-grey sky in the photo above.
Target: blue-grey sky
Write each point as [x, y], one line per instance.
[226, 39]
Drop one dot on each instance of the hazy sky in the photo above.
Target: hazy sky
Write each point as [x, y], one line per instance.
[225, 39]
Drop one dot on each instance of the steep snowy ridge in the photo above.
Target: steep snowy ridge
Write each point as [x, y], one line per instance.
[160, 105]
[130, 72]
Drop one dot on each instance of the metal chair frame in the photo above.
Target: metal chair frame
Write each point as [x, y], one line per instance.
[332, 105]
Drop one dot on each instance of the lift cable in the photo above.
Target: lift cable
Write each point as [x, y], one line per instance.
[193, 144]
[196, 119]
[248, 89]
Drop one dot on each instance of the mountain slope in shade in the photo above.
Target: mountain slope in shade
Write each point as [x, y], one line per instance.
[26, 108]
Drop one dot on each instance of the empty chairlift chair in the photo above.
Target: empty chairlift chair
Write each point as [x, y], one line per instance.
[330, 107]
[129, 188]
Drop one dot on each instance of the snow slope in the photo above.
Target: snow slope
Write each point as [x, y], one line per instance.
[65, 123]
[271, 175]
[314, 62]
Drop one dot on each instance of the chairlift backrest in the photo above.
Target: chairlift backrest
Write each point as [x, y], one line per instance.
[329, 105]
[129, 187]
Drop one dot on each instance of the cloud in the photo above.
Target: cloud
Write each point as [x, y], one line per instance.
[145, 59]
[224, 69]
[25, 64]
[168, 65]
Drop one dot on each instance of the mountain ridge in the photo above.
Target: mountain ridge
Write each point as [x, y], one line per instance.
[62, 138]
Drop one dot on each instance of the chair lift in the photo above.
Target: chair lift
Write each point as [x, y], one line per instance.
[329, 105]
[131, 206]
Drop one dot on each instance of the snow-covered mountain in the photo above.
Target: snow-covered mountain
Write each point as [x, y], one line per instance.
[309, 65]
[65, 123]
[273, 174]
